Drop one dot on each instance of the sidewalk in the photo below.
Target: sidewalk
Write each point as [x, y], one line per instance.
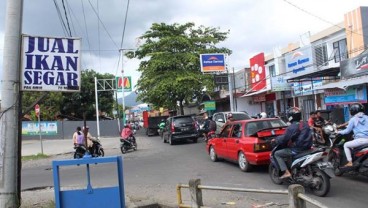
[61, 146]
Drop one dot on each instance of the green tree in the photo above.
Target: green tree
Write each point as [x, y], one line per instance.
[49, 106]
[76, 104]
[170, 69]
[72, 104]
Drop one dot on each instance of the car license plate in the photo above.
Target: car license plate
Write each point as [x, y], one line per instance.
[185, 129]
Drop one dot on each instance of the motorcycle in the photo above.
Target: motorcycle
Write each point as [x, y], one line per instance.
[337, 157]
[79, 152]
[307, 169]
[327, 137]
[96, 150]
[127, 144]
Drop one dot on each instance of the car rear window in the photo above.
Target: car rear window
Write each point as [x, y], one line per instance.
[240, 116]
[255, 126]
[182, 120]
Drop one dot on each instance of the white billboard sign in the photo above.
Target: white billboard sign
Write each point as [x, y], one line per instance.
[50, 64]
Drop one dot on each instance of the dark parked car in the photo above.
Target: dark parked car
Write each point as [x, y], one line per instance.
[180, 128]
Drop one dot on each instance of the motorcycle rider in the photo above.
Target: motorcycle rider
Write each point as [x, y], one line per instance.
[263, 115]
[359, 125]
[126, 133]
[78, 137]
[297, 138]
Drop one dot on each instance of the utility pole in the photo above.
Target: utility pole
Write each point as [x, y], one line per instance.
[10, 145]
[123, 90]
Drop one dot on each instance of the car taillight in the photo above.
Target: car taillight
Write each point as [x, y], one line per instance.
[262, 147]
[172, 127]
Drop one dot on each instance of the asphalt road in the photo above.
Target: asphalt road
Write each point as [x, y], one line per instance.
[153, 171]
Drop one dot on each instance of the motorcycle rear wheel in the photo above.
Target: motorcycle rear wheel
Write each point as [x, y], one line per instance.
[274, 174]
[324, 187]
[77, 155]
[101, 153]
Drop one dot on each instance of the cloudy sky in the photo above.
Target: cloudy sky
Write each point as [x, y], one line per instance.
[255, 25]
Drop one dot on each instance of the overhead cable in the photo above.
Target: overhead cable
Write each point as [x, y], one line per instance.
[66, 17]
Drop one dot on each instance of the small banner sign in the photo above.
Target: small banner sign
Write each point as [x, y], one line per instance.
[210, 105]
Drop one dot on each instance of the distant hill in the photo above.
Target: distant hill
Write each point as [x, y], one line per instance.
[130, 99]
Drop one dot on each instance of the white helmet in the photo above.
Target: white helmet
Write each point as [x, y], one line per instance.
[263, 115]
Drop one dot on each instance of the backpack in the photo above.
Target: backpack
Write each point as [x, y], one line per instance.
[212, 125]
[304, 139]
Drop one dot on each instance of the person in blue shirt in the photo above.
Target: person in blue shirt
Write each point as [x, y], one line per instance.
[359, 125]
[296, 139]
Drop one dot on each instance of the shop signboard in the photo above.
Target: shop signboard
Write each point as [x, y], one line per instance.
[32, 128]
[299, 62]
[354, 67]
[305, 88]
[279, 83]
[50, 64]
[209, 105]
[258, 72]
[259, 98]
[213, 63]
[339, 96]
[127, 84]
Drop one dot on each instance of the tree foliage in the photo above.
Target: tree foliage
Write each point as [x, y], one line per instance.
[170, 63]
[73, 104]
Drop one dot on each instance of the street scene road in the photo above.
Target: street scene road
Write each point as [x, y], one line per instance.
[152, 173]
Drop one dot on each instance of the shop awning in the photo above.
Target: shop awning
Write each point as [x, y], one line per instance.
[343, 84]
[325, 74]
[255, 93]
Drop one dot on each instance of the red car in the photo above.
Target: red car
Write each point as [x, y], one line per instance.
[247, 142]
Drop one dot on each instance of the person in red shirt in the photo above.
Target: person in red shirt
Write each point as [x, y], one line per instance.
[312, 117]
[126, 132]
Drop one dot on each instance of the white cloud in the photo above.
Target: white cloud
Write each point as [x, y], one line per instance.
[255, 26]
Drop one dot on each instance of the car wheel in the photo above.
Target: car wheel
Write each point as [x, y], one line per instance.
[243, 163]
[213, 154]
[171, 142]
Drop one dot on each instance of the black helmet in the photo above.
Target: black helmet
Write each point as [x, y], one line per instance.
[294, 114]
[356, 108]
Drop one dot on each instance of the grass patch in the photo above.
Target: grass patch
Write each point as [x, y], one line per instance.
[34, 157]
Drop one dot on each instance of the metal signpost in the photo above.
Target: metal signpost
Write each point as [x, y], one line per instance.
[38, 112]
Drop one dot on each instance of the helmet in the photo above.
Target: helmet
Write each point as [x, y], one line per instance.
[294, 114]
[356, 108]
[263, 115]
[229, 116]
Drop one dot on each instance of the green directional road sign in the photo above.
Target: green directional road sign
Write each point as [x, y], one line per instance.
[127, 83]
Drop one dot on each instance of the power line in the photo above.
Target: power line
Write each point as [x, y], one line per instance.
[63, 26]
[125, 20]
[123, 35]
[320, 18]
[103, 25]
[66, 17]
[98, 34]
[70, 11]
[85, 27]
